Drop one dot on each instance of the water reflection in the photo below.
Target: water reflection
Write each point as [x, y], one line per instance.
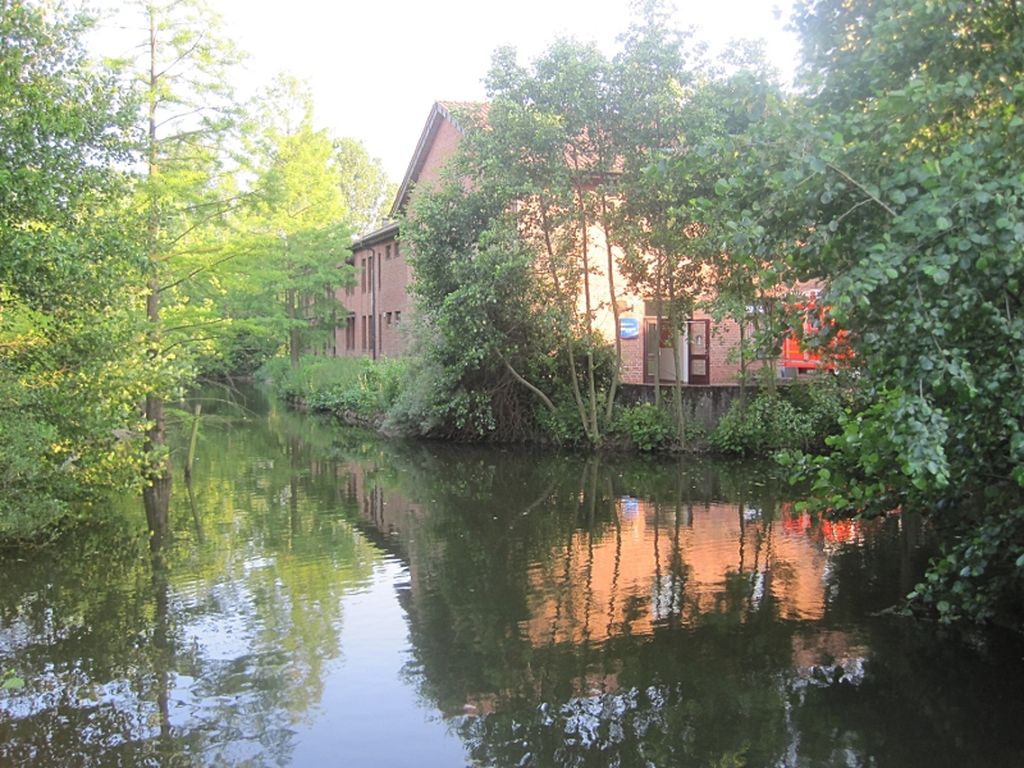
[325, 596]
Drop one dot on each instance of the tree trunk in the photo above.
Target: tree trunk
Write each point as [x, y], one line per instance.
[743, 362]
[677, 385]
[658, 309]
[568, 302]
[617, 372]
[595, 429]
[294, 346]
[156, 495]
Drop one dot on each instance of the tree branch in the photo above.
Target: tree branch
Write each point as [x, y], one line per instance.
[862, 188]
[195, 272]
[515, 374]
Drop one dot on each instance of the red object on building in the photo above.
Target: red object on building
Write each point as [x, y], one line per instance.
[796, 356]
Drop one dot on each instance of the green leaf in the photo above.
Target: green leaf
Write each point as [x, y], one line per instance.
[12, 683]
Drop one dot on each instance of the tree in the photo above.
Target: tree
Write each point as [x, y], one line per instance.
[920, 232]
[745, 166]
[486, 342]
[549, 139]
[540, 167]
[189, 117]
[291, 239]
[657, 117]
[71, 365]
[364, 185]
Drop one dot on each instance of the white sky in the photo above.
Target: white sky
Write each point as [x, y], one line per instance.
[376, 67]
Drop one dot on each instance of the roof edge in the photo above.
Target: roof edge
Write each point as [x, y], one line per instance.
[376, 236]
[412, 172]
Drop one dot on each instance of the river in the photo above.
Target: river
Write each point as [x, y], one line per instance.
[329, 598]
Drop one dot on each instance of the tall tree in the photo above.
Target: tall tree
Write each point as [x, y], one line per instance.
[745, 173]
[655, 80]
[71, 369]
[293, 238]
[549, 142]
[365, 188]
[189, 116]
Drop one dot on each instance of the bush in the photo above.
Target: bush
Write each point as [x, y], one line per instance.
[313, 375]
[646, 425]
[370, 394]
[563, 426]
[823, 402]
[768, 424]
[239, 352]
[360, 386]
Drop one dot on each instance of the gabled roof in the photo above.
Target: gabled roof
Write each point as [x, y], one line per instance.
[440, 111]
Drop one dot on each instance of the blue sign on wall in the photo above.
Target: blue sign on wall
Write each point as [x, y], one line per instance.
[629, 327]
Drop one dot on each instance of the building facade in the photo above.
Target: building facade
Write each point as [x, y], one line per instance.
[380, 307]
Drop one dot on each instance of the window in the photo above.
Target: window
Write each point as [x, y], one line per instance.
[398, 317]
[387, 251]
[396, 249]
[350, 332]
[651, 308]
[366, 336]
[387, 319]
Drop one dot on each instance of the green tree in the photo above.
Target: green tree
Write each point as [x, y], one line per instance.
[71, 364]
[293, 239]
[189, 117]
[486, 343]
[754, 197]
[550, 141]
[656, 75]
[920, 233]
[365, 187]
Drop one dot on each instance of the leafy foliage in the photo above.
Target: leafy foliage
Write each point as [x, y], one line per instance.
[648, 426]
[920, 229]
[288, 244]
[480, 322]
[767, 424]
[360, 387]
[72, 366]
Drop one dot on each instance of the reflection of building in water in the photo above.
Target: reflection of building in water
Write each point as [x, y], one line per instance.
[646, 565]
[661, 562]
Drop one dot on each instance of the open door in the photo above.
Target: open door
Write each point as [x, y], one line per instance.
[658, 352]
[698, 332]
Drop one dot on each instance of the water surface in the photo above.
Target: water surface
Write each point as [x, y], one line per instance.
[327, 598]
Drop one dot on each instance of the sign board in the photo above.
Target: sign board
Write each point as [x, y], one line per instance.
[629, 327]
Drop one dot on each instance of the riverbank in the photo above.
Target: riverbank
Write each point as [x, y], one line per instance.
[755, 422]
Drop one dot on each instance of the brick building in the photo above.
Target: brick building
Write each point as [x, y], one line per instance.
[379, 305]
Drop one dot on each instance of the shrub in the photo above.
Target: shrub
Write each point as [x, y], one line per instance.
[767, 424]
[563, 425]
[313, 375]
[823, 402]
[360, 386]
[646, 425]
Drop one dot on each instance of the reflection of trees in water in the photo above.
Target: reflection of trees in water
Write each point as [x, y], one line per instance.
[562, 679]
[209, 650]
[562, 611]
[536, 633]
